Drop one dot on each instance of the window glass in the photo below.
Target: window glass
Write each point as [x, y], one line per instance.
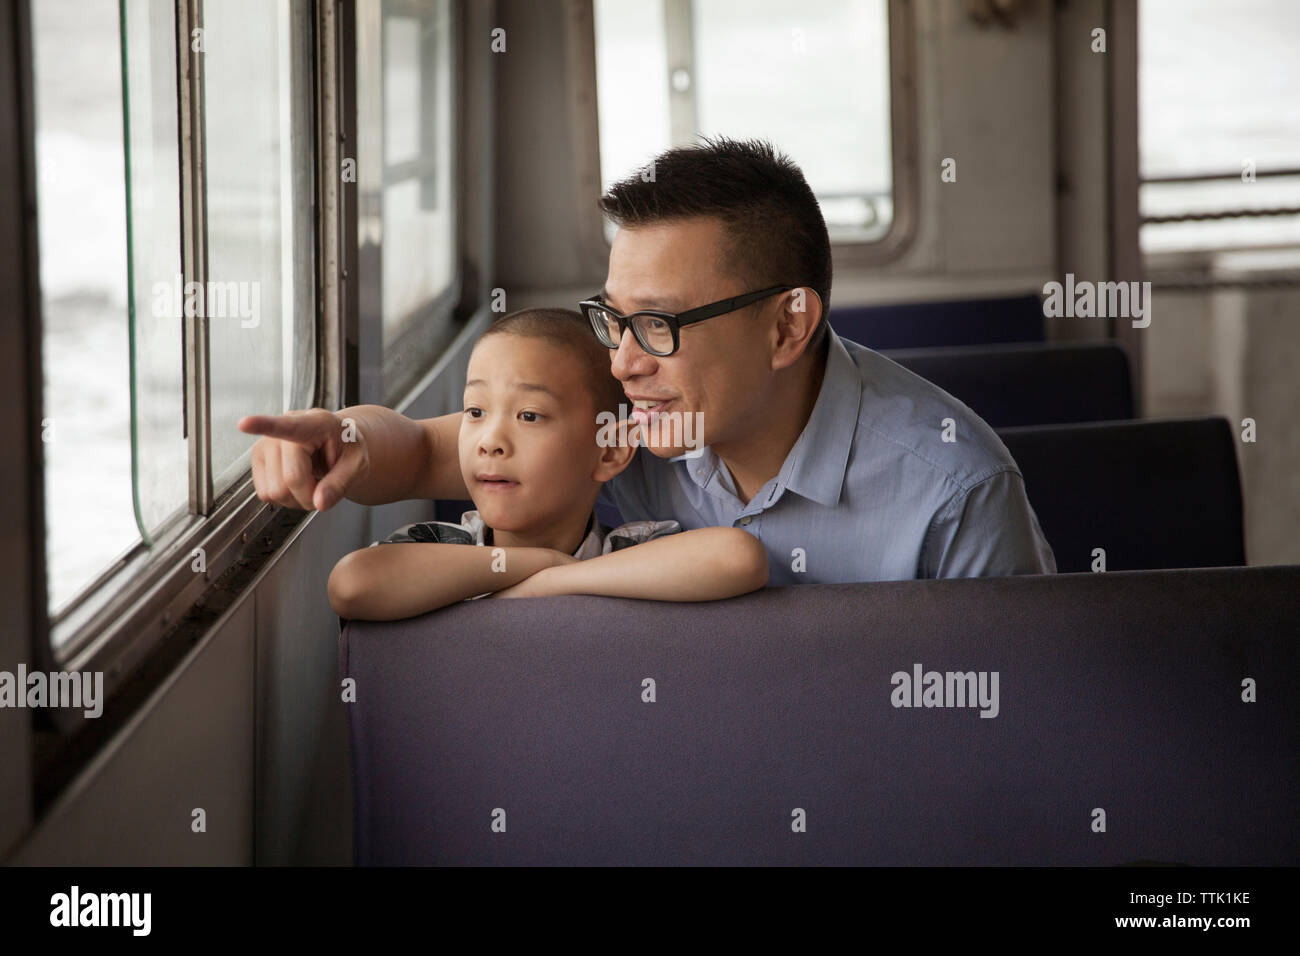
[812, 77]
[81, 201]
[161, 452]
[418, 212]
[260, 293]
[1215, 94]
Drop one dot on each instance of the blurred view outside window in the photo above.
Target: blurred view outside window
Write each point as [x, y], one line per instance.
[418, 202]
[1217, 86]
[811, 77]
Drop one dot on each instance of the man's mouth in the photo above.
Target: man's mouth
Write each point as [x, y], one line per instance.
[646, 410]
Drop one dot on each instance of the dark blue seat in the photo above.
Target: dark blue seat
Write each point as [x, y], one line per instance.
[522, 732]
[1152, 494]
[1030, 383]
[932, 324]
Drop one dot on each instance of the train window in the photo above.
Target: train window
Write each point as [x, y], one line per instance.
[418, 196]
[152, 352]
[815, 77]
[1220, 136]
[82, 208]
[258, 108]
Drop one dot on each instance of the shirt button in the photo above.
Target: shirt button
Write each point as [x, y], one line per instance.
[746, 519]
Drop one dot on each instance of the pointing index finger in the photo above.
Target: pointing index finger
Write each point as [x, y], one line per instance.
[286, 427]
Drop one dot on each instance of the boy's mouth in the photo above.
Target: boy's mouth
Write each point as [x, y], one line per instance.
[497, 482]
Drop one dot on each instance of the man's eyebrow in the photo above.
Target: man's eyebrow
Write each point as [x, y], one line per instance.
[663, 305]
[521, 386]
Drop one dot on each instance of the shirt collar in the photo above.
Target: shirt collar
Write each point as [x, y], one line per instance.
[590, 547]
[593, 543]
[819, 459]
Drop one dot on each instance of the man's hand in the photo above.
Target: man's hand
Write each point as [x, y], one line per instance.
[305, 459]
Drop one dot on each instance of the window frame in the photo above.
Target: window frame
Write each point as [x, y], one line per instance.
[580, 34]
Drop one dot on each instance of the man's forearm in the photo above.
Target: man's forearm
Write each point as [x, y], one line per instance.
[397, 455]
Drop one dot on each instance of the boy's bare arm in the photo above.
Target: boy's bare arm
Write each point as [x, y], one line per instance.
[392, 581]
[370, 454]
[441, 478]
[706, 564]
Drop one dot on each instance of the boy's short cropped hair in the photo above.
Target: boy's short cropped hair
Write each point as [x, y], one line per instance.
[572, 332]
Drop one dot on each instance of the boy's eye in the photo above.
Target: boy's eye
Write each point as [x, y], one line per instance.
[537, 416]
[471, 410]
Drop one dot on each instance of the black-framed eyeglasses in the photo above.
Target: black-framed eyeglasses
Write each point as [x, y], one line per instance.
[658, 332]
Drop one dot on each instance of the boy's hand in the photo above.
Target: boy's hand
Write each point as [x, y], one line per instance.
[539, 584]
[305, 459]
[532, 586]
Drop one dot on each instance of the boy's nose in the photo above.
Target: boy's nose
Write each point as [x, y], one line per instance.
[492, 440]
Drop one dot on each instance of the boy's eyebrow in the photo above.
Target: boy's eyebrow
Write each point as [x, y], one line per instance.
[521, 386]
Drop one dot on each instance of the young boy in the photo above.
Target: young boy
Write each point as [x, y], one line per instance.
[530, 457]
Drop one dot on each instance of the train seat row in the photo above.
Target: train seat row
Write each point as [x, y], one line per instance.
[938, 324]
[1138, 717]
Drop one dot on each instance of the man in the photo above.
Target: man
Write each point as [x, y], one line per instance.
[845, 465]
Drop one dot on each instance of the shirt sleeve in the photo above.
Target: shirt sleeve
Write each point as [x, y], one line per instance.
[436, 532]
[989, 530]
[638, 532]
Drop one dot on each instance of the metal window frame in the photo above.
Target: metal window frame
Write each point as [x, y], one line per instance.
[850, 254]
[143, 600]
[22, 507]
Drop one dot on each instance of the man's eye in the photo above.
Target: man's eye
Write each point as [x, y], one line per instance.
[657, 325]
[537, 416]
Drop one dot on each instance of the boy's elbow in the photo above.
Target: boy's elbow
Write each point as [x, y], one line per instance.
[347, 588]
[751, 561]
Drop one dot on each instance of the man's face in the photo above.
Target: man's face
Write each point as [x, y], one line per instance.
[722, 363]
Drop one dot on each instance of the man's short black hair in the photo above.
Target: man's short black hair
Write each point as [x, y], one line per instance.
[776, 230]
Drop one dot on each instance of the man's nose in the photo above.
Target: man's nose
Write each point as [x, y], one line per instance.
[630, 359]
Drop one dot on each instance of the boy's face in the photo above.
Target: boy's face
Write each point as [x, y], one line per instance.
[529, 419]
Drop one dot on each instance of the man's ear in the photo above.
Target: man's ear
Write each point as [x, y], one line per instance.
[801, 312]
[615, 455]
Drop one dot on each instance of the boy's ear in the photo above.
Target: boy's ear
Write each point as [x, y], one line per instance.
[616, 451]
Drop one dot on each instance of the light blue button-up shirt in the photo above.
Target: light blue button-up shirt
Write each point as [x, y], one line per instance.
[871, 490]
